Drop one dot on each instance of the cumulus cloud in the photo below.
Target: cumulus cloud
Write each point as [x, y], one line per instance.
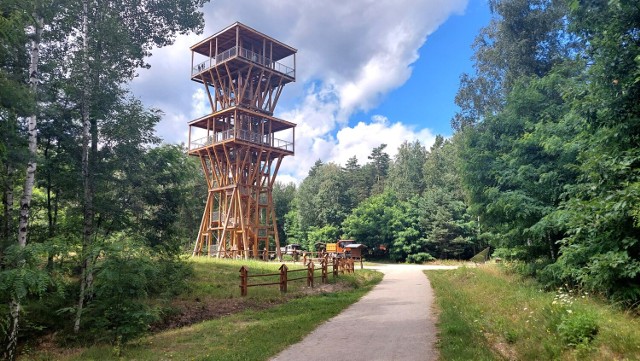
[357, 141]
[350, 55]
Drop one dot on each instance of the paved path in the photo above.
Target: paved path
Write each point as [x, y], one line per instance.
[392, 322]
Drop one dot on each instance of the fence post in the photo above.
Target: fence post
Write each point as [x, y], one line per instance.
[283, 278]
[323, 262]
[334, 266]
[310, 274]
[351, 266]
[244, 272]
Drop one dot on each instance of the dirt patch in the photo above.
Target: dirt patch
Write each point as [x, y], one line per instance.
[324, 288]
[49, 349]
[188, 312]
[501, 347]
[185, 313]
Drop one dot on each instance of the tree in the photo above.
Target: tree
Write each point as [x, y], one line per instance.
[35, 35]
[370, 223]
[283, 202]
[517, 163]
[405, 174]
[601, 215]
[324, 234]
[378, 169]
[357, 180]
[524, 38]
[114, 41]
[549, 160]
[16, 100]
[324, 197]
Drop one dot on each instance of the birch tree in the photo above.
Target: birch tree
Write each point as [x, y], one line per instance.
[115, 38]
[17, 294]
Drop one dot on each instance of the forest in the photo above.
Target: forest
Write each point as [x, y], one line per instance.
[543, 165]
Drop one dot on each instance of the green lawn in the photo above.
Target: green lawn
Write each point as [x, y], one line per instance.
[485, 314]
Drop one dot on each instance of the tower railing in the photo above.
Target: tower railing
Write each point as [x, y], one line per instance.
[242, 135]
[246, 54]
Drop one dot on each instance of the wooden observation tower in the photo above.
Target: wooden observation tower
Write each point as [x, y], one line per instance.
[240, 143]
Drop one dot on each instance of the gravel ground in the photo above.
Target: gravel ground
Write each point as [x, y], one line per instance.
[392, 322]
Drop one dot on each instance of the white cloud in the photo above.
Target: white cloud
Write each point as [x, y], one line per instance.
[363, 137]
[358, 141]
[199, 104]
[350, 55]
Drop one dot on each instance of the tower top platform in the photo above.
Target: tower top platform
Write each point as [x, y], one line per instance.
[229, 38]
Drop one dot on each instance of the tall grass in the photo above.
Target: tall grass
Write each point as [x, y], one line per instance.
[487, 314]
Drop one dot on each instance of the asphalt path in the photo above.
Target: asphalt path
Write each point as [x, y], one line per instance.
[395, 321]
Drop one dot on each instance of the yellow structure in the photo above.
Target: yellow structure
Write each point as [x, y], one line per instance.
[240, 144]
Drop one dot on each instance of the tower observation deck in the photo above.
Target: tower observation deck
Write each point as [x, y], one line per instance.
[240, 144]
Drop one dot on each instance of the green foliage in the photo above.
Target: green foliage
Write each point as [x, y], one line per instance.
[125, 280]
[170, 186]
[15, 96]
[323, 197]
[326, 234]
[525, 38]
[576, 325]
[21, 278]
[283, 203]
[550, 151]
[405, 174]
[578, 328]
[245, 335]
[378, 169]
[420, 257]
[371, 222]
[21, 272]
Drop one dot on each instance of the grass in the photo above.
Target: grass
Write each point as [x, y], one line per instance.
[486, 314]
[253, 334]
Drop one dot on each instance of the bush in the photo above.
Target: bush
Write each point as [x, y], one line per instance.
[421, 257]
[118, 313]
[578, 328]
[575, 325]
[128, 274]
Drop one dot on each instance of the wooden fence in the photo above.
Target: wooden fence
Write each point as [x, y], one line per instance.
[267, 256]
[338, 265]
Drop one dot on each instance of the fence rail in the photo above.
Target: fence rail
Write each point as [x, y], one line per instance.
[338, 265]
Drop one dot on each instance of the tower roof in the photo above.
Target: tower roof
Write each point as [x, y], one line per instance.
[227, 39]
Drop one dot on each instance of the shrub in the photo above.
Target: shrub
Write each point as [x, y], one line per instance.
[575, 325]
[578, 328]
[128, 275]
[421, 257]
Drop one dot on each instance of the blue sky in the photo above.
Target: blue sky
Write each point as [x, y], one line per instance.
[427, 98]
[368, 72]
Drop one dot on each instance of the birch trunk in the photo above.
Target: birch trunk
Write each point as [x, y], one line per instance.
[7, 200]
[86, 172]
[25, 200]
